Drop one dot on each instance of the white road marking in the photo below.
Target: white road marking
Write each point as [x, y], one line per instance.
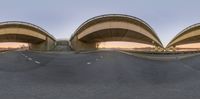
[30, 59]
[24, 55]
[88, 63]
[37, 62]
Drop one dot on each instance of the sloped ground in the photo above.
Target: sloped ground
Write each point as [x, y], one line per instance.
[100, 75]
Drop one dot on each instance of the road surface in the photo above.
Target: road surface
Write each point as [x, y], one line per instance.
[98, 75]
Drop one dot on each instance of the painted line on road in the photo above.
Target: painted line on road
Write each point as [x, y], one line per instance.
[88, 63]
[31, 59]
[37, 62]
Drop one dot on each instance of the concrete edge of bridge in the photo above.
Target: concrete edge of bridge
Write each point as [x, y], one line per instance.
[165, 57]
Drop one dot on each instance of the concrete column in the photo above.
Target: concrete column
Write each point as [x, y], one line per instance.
[78, 45]
[174, 48]
[44, 46]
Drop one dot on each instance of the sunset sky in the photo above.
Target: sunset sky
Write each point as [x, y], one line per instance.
[62, 17]
[122, 45]
[193, 45]
[12, 45]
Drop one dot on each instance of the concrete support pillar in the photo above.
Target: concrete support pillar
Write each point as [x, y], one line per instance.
[43, 46]
[156, 48]
[78, 45]
[174, 48]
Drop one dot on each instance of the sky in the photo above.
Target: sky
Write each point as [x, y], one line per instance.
[123, 45]
[13, 45]
[62, 17]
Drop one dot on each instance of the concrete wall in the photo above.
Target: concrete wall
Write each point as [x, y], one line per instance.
[78, 45]
[27, 34]
[47, 45]
[118, 25]
[62, 45]
[80, 39]
[182, 39]
[21, 31]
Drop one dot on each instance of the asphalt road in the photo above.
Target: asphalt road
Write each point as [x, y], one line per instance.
[100, 75]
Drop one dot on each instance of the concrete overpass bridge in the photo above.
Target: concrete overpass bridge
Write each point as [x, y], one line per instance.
[113, 27]
[189, 35]
[15, 31]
